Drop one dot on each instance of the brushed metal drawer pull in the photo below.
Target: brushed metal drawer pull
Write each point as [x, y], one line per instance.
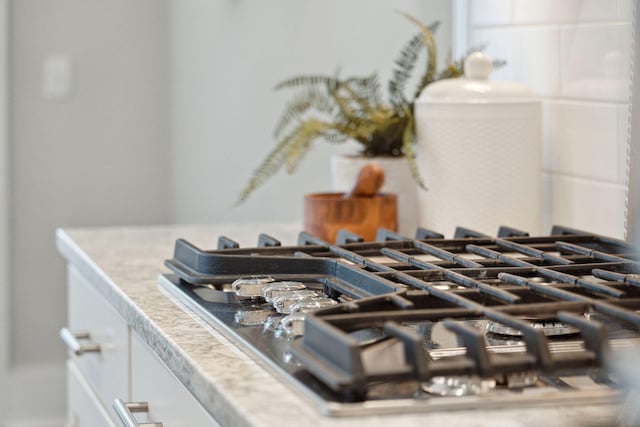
[72, 340]
[125, 411]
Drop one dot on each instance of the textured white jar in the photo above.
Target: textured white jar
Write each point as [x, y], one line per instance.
[479, 146]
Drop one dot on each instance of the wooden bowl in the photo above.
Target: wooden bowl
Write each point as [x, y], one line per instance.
[326, 213]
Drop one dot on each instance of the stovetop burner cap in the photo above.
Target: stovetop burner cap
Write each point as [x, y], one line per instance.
[551, 328]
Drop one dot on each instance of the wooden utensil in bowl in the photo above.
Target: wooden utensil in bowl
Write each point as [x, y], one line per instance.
[362, 210]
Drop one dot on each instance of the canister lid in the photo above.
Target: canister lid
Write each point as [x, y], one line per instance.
[475, 87]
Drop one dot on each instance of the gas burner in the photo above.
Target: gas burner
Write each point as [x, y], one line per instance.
[458, 386]
[551, 328]
[252, 317]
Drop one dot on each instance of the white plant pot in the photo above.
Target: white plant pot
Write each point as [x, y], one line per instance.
[398, 179]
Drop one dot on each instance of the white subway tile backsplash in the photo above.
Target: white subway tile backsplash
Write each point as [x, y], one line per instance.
[576, 55]
[563, 11]
[581, 139]
[489, 12]
[531, 54]
[588, 205]
[625, 10]
[595, 61]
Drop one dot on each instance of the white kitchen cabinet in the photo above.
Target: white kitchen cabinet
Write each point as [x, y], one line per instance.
[83, 407]
[98, 339]
[109, 362]
[169, 402]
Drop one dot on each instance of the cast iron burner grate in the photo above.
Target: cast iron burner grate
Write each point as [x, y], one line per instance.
[427, 313]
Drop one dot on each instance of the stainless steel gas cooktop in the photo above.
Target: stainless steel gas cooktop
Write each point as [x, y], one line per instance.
[424, 323]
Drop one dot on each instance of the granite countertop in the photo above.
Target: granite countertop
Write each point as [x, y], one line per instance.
[124, 264]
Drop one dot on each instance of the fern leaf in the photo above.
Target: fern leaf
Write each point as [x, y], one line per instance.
[451, 72]
[310, 80]
[288, 153]
[274, 161]
[297, 150]
[498, 63]
[408, 145]
[430, 45]
[335, 135]
[405, 64]
[310, 98]
[365, 92]
[266, 170]
[371, 89]
[301, 142]
[346, 111]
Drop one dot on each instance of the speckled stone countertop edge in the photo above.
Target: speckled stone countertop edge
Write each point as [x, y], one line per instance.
[177, 360]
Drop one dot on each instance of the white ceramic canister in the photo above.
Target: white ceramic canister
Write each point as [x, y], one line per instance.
[479, 147]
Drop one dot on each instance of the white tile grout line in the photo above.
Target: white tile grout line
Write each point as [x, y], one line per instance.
[582, 178]
[549, 25]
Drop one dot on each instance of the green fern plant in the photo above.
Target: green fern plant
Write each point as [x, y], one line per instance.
[336, 110]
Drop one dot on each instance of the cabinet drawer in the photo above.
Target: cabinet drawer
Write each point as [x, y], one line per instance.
[107, 370]
[169, 402]
[83, 407]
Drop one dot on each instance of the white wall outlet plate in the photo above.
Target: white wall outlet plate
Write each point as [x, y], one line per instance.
[56, 76]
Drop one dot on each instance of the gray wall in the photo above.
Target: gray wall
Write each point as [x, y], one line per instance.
[102, 155]
[98, 156]
[4, 201]
[170, 108]
[227, 57]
